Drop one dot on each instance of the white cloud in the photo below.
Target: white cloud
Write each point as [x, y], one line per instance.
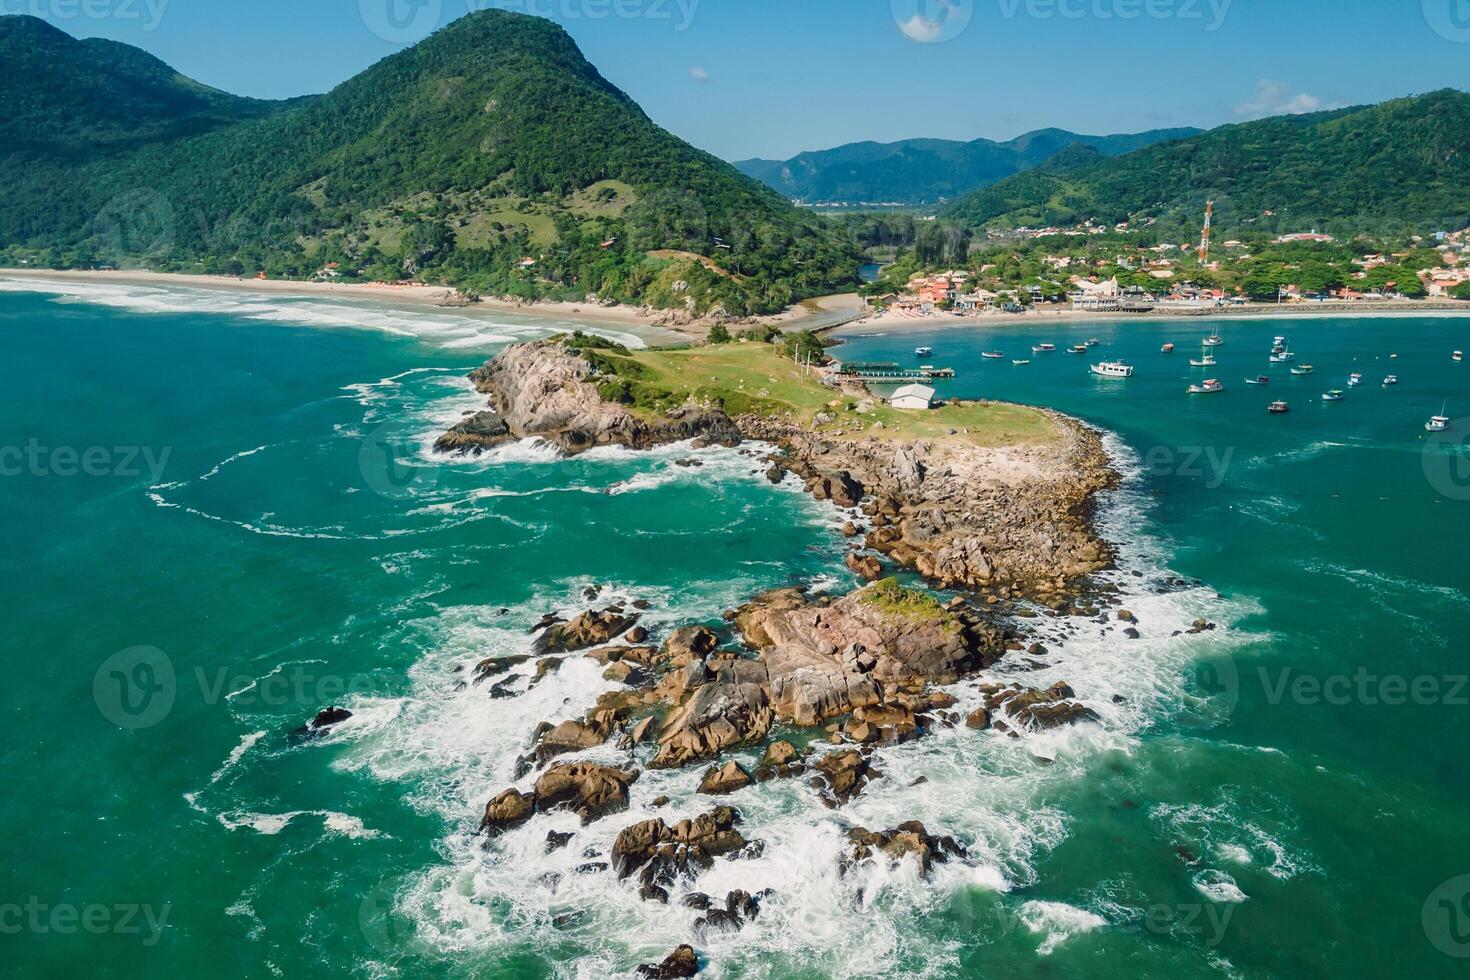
[699, 74]
[1277, 99]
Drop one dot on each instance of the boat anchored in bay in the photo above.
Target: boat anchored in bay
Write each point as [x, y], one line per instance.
[1113, 369]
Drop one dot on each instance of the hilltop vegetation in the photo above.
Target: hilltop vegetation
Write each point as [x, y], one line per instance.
[756, 377]
[1383, 169]
[491, 156]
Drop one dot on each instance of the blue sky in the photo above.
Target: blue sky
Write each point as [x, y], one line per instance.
[774, 77]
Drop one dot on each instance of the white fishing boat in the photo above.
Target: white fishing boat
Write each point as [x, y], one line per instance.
[1458, 355]
[1113, 369]
[993, 355]
[1262, 380]
[1392, 379]
[1021, 363]
[1077, 349]
[1214, 339]
[1167, 349]
[1093, 342]
[1282, 356]
[923, 351]
[1335, 395]
[1206, 359]
[1043, 348]
[1440, 422]
[1303, 370]
[1209, 387]
[1278, 408]
[1354, 380]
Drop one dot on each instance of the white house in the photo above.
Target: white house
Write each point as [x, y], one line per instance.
[914, 397]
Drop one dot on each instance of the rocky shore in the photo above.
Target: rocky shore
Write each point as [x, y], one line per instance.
[1005, 522]
[853, 673]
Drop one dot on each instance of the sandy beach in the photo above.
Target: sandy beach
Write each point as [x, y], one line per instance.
[820, 313]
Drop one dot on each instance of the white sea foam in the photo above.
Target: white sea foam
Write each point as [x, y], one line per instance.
[454, 331]
[1057, 922]
[1217, 886]
[271, 824]
[457, 746]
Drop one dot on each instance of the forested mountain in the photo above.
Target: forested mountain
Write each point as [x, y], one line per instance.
[79, 97]
[492, 155]
[1398, 166]
[925, 171]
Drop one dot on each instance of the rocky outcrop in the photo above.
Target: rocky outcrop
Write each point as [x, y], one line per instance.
[843, 775]
[591, 791]
[588, 630]
[547, 390]
[1033, 710]
[895, 845]
[476, 434]
[998, 519]
[663, 855]
[827, 659]
[740, 907]
[722, 780]
[963, 515]
[725, 708]
[679, 964]
[507, 811]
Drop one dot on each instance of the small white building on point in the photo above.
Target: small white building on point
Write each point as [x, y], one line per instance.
[919, 398]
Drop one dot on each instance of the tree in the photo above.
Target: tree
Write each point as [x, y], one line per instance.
[1462, 291]
[718, 334]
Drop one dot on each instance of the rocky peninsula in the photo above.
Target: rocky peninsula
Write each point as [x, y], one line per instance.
[992, 502]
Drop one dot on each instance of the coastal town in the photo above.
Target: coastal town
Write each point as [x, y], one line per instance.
[1057, 270]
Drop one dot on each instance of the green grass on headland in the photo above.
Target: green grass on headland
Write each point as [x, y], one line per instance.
[756, 378]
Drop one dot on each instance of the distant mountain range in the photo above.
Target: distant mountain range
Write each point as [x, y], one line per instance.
[1399, 166]
[927, 171]
[491, 156]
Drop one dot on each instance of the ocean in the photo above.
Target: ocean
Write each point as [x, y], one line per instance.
[223, 513]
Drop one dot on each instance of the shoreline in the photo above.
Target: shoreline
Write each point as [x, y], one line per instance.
[651, 326]
[890, 323]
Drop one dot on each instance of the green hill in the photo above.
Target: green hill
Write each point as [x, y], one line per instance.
[924, 171]
[82, 97]
[491, 142]
[1399, 166]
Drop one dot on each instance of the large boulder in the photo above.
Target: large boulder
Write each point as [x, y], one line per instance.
[507, 811]
[843, 775]
[907, 839]
[713, 833]
[1035, 710]
[569, 736]
[722, 780]
[591, 629]
[477, 433]
[731, 708]
[679, 964]
[591, 791]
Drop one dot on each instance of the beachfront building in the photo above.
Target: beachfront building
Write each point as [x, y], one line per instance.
[918, 398]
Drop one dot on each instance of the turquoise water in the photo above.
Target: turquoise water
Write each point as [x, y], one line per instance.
[263, 531]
